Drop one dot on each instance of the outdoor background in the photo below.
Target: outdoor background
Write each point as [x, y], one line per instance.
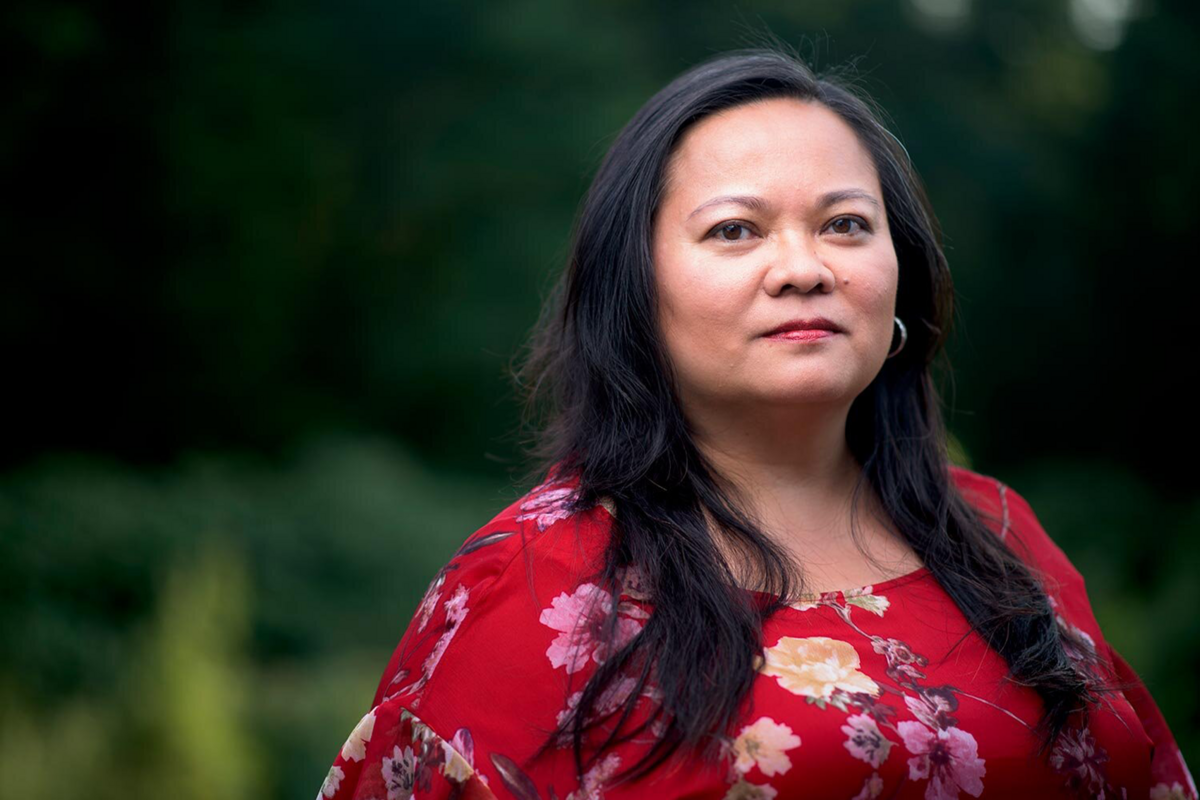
[266, 264]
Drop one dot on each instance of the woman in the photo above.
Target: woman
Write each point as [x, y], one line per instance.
[692, 601]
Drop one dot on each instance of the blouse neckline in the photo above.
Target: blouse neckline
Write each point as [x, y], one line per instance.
[882, 587]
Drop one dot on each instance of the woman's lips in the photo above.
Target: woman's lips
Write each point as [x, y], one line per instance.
[807, 335]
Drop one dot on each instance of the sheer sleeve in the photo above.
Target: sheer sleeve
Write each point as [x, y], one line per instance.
[392, 753]
[407, 746]
[1169, 774]
[493, 660]
[1010, 515]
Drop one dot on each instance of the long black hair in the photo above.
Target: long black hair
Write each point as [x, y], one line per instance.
[601, 406]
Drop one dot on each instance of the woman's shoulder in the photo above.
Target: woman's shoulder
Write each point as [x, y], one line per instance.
[540, 545]
[1009, 515]
[546, 524]
[494, 657]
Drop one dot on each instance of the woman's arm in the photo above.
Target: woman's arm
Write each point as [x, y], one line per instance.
[494, 657]
[1169, 774]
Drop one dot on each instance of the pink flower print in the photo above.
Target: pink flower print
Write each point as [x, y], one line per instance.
[902, 662]
[429, 601]
[1072, 651]
[865, 741]
[593, 780]
[580, 618]
[933, 706]
[612, 698]
[807, 601]
[880, 712]
[947, 757]
[456, 612]
[456, 608]
[1081, 759]
[428, 755]
[634, 582]
[872, 787]
[547, 505]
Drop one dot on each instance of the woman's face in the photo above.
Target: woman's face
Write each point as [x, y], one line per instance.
[807, 238]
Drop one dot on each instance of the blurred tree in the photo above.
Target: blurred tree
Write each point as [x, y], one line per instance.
[266, 265]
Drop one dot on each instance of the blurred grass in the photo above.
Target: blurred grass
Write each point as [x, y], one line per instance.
[214, 629]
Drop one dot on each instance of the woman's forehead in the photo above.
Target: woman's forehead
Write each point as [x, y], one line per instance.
[784, 143]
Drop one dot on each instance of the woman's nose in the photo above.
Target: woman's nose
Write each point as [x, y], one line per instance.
[796, 263]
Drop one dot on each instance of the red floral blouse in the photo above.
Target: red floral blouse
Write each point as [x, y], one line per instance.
[861, 693]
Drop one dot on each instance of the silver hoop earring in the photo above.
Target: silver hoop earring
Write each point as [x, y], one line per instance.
[903, 337]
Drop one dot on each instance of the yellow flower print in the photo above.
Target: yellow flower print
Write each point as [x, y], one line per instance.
[763, 743]
[456, 768]
[816, 666]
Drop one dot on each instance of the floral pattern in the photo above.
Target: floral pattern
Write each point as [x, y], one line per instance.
[845, 666]
[579, 618]
[764, 744]
[865, 741]
[547, 504]
[828, 671]
[948, 757]
[816, 667]
[456, 611]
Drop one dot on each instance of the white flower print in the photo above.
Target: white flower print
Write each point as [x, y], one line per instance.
[762, 744]
[579, 619]
[865, 741]
[398, 773]
[355, 748]
[875, 603]
[332, 781]
[947, 757]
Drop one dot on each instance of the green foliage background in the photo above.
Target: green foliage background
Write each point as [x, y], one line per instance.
[267, 264]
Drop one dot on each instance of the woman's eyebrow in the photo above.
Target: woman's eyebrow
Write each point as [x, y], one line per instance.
[756, 203]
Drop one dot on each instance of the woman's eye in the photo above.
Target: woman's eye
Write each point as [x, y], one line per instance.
[729, 227]
[843, 225]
